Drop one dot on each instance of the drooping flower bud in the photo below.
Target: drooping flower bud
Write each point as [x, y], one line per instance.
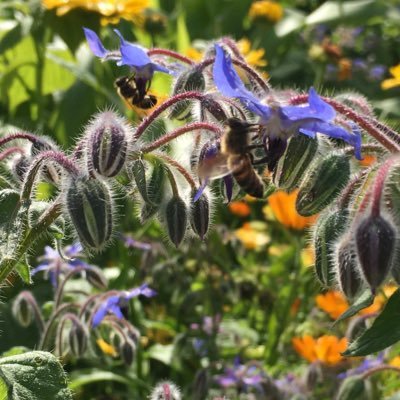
[22, 309]
[297, 158]
[176, 219]
[95, 277]
[192, 79]
[127, 351]
[353, 388]
[200, 214]
[347, 268]
[323, 183]
[20, 167]
[78, 338]
[375, 242]
[90, 207]
[107, 144]
[155, 192]
[329, 227]
[209, 104]
[201, 385]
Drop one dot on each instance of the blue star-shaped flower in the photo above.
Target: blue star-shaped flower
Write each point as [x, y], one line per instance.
[55, 264]
[129, 54]
[282, 121]
[113, 304]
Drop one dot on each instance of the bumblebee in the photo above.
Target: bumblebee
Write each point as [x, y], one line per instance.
[235, 158]
[130, 93]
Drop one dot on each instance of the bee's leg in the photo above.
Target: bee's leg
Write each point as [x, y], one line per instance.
[260, 161]
[254, 146]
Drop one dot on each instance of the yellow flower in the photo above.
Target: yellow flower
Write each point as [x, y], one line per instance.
[252, 236]
[194, 54]
[326, 349]
[392, 82]
[239, 208]
[106, 348]
[264, 9]
[110, 10]
[252, 57]
[283, 206]
[395, 362]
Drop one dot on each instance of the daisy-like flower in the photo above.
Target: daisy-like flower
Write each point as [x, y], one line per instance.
[252, 236]
[283, 206]
[267, 10]
[282, 121]
[54, 264]
[239, 208]
[326, 349]
[115, 303]
[111, 11]
[128, 54]
[394, 81]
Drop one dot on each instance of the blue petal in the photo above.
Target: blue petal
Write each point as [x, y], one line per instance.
[229, 84]
[95, 43]
[334, 131]
[103, 309]
[200, 190]
[41, 267]
[228, 182]
[114, 309]
[317, 109]
[132, 55]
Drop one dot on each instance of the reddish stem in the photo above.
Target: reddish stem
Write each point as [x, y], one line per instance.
[164, 106]
[170, 53]
[180, 131]
[366, 124]
[9, 151]
[18, 135]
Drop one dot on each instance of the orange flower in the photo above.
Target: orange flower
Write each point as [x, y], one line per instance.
[326, 349]
[333, 303]
[239, 208]
[395, 362]
[284, 210]
[344, 65]
[252, 236]
[252, 57]
[368, 160]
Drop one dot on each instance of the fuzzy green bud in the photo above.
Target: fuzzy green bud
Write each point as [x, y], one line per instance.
[200, 215]
[329, 227]
[176, 219]
[127, 351]
[22, 309]
[192, 79]
[353, 388]
[375, 243]
[90, 207]
[347, 268]
[107, 144]
[323, 183]
[297, 158]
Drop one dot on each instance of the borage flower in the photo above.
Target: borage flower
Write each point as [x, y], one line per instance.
[55, 264]
[116, 303]
[280, 122]
[128, 54]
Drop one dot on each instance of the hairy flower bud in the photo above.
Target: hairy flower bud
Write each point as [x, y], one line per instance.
[127, 351]
[353, 388]
[176, 219]
[95, 277]
[165, 391]
[51, 171]
[22, 309]
[200, 214]
[323, 183]
[90, 207]
[201, 385]
[329, 227]
[375, 243]
[347, 268]
[20, 167]
[209, 104]
[297, 158]
[78, 338]
[107, 144]
[192, 79]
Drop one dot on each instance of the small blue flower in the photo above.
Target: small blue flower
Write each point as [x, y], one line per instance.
[115, 303]
[129, 54]
[366, 365]
[55, 264]
[282, 121]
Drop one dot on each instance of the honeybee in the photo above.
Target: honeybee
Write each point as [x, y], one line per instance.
[235, 158]
[128, 90]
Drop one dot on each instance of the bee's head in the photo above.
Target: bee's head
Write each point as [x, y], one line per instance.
[237, 124]
[121, 81]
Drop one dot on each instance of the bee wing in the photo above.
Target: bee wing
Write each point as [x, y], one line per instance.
[214, 167]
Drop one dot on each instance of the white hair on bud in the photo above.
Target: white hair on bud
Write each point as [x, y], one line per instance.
[165, 391]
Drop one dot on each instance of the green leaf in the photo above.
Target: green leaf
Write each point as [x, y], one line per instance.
[35, 375]
[182, 34]
[14, 35]
[354, 11]
[24, 272]
[82, 378]
[364, 300]
[384, 332]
